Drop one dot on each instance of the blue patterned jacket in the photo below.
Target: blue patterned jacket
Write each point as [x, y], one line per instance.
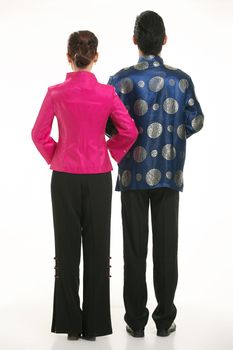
[162, 101]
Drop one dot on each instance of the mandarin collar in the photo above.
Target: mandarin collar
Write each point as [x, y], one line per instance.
[150, 58]
[83, 75]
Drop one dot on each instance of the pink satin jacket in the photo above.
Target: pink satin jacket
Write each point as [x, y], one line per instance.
[82, 107]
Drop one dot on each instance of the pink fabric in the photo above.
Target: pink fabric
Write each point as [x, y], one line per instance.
[82, 107]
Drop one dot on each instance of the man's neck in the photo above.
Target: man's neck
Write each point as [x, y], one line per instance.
[141, 54]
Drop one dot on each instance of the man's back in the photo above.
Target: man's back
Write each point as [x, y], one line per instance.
[162, 101]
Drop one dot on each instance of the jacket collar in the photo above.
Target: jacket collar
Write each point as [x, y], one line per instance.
[151, 59]
[85, 77]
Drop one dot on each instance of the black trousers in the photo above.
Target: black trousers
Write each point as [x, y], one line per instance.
[164, 204]
[81, 212]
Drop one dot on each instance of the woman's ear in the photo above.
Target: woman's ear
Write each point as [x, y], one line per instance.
[96, 57]
[68, 58]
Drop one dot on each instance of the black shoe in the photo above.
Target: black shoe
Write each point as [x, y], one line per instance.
[86, 337]
[73, 336]
[166, 332]
[136, 334]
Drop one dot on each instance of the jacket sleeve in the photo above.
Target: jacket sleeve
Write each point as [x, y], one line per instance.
[42, 128]
[110, 128]
[120, 143]
[193, 113]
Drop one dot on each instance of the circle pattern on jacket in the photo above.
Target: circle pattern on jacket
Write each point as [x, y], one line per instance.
[156, 64]
[140, 130]
[170, 67]
[181, 131]
[154, 153]
[126, 178]
[170, 105]
[156, 84]
[191, 102]
[138, 177]
[141, 83]
[169, 152]
[140, 107]
[155, 106]
[139, 154]
[197, 122]
[141, 65]
[169, 175]
[183, 84]
[154, 130]
[179, 178]
[170, 128]
[126, 85]
[153, 177]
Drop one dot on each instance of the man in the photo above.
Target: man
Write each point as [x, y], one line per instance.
[162, 101]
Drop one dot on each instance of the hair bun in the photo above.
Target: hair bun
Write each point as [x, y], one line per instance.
[82, 47]
[81, 60]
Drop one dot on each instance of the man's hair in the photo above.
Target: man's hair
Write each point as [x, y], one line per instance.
[149, 31]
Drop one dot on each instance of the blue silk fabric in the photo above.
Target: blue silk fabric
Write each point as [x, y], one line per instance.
[162, 101]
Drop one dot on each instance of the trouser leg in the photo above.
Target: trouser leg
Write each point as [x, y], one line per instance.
[135, 206]
[97, 193]
[66, 203]
[164, 215]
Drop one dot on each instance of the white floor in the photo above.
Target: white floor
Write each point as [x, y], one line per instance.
[202, 328]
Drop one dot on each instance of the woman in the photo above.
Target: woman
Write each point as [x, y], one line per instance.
[81, 187]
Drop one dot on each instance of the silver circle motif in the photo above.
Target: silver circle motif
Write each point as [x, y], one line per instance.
[170, 128]
[191, 102]
[153, 177]
[140, 107]
[182, 155]
[138, 177]
[126, 85]
[139, 154]
[170, 105]
[126, 178]
[156, 64]
[154, 153]
[141, 65]
[197, 122]
[169, 175]
[181, 131]
[183, 84]
[140, 130]
[169, 67]
[141, 83]
[148, 57]
[169, 152]
[156, 84]
[179, 178]
[172, 82]
[154, 130]
[155, 106]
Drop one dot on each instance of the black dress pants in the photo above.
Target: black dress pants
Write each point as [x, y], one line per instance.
[164, 204]
[81, 213]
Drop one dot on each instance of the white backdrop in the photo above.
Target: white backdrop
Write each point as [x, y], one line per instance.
[33, 56]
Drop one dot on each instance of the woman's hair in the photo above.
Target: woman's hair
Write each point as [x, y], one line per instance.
[82, 47]
[149, 32]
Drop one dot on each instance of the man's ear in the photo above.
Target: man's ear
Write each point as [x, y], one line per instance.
[165, 40]
[135, 40]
